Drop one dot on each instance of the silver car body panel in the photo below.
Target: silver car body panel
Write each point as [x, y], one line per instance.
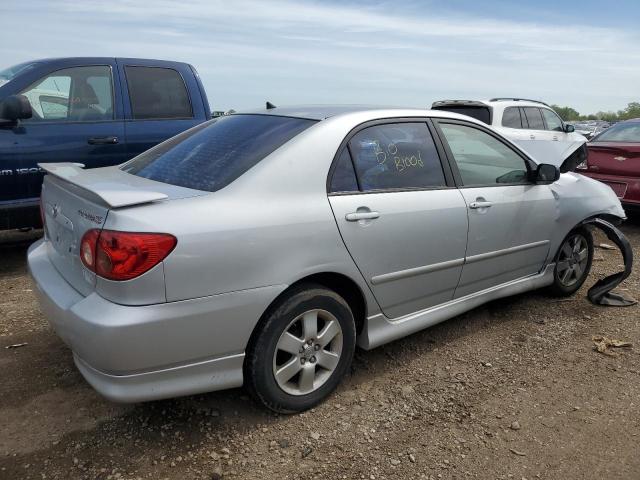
[239, 248]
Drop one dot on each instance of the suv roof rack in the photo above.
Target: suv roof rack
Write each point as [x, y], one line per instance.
[447, 103]
[517, 100]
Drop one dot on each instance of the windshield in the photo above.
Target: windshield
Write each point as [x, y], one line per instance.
[8, 73]
[622, 132]
[212, 155]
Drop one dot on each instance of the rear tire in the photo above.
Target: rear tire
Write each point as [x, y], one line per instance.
[301, 350]
[573, 262]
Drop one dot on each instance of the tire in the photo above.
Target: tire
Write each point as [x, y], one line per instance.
[572, 268]
[284, 352]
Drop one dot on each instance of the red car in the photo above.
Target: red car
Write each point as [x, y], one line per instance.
[614, 159]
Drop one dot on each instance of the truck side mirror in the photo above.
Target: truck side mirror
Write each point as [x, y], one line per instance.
[546, 174]
[15, 107]
[569, 128]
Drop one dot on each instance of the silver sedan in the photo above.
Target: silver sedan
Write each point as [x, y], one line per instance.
[260, 248]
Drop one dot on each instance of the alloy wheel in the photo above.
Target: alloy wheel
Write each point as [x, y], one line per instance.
[307, 352]
[572, 260]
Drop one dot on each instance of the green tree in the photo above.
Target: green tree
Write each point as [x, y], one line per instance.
[632, 111]
[566, 113]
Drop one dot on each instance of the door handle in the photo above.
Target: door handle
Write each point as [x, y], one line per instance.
[103, 141]
[532, 137]
[476, 205]
[355, 216]
[555, 137]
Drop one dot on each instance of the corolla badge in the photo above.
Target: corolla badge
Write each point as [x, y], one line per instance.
[620, 159]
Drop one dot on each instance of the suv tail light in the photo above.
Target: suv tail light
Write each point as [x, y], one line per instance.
[124, 255]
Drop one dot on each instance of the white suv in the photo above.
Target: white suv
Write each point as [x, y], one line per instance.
[531, 124]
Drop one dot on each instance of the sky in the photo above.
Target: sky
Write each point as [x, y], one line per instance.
[582, 54]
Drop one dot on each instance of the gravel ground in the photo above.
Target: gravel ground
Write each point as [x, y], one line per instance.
[513, 389]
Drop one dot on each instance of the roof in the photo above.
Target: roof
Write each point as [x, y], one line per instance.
[317, 112]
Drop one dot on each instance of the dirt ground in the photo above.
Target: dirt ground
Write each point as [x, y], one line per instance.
[513, 389]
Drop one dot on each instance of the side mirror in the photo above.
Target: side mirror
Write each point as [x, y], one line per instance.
[569, 128]
[546, 174]
[15, 107]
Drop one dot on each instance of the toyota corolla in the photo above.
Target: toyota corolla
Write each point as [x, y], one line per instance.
[260, 248]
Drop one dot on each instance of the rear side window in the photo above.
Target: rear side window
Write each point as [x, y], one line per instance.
[212, 155]
[553, 121]
[344, 177]
[157, 93]
[534, 118]
[396, 156]
[511, 118]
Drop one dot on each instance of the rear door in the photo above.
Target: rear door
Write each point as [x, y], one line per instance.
[510, 218]
[77, 117]
[554, 125]
[401, 218]
[159, 102]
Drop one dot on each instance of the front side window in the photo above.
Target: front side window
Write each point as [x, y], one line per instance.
[213, 154]
[396, 156]
[534, 118]
[482, 159]
[511, 118]
[78, 94]
[157, 93]
[553, 121]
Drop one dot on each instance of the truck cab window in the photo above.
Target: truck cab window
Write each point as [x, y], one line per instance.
[157, 93]
[78, 94]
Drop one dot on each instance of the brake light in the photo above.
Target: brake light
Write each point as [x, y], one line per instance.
[124, 255]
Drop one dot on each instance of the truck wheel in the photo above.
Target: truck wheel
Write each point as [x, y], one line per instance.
[301, 351]
[573, 262]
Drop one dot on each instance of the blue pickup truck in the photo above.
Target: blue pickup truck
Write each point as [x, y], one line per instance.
[94, 111]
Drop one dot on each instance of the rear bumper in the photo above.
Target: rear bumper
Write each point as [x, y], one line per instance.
[628, 187]
[139, 353]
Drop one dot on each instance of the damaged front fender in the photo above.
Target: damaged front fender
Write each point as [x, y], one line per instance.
[601, 292]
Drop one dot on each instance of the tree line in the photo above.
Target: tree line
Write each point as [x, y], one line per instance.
[569, 114]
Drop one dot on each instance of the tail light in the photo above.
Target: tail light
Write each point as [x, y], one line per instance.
[124, 255]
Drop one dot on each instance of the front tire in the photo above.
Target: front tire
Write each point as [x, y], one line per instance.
[573, 262]
[301, 350]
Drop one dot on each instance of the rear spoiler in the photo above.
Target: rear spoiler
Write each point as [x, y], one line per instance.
[114, 194]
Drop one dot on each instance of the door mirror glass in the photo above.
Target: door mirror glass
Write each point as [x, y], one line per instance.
[546, 174]
[569, 128]
[14, 108]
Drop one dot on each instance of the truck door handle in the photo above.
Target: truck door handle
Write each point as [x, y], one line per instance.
[103, 140]
[476, 205]
[355, 216]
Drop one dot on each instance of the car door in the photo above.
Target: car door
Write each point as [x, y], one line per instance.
[77, 117]
[510, 218]
[400, 216]
[554, 125]
[534, 124]
[157, 102]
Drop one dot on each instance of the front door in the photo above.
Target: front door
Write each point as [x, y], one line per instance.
[75, 119]
[510, 218]
[402, 220]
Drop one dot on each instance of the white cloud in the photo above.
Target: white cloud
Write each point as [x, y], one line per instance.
[293, 52]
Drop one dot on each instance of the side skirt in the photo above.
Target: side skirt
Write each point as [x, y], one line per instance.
[380, 330]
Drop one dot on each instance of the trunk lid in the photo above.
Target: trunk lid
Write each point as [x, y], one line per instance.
[76, 200]
[621, 159]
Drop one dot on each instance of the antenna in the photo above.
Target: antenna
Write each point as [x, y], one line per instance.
[270, 105]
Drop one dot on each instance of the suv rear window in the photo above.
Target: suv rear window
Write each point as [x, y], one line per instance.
[212, 155]
[479, 113]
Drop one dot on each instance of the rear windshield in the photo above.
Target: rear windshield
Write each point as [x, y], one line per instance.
[212, 155]
[479, 113]
[622, 132]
